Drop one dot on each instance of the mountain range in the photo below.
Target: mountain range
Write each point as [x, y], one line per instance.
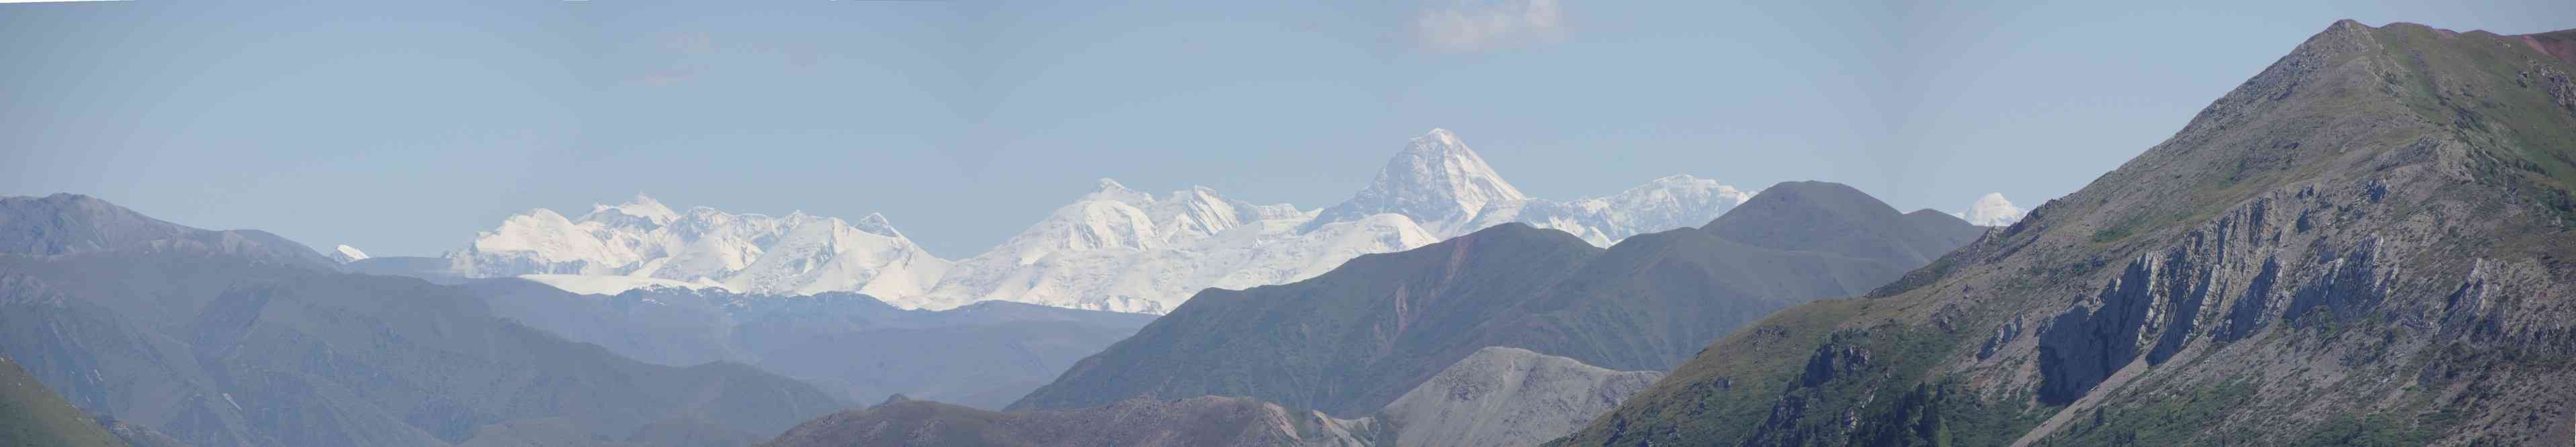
[795, 254]
[2364, 244]
[232, 338]
[1112, 249]
[1354, 339]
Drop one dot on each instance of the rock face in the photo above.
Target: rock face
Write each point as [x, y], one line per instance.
[1351, 341]
[217, 345]
[1507, 397]
[1202, 421]
[2363, 244]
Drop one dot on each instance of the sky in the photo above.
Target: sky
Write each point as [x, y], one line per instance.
[403, 129]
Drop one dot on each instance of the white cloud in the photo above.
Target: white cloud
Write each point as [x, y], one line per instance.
[1489, 24]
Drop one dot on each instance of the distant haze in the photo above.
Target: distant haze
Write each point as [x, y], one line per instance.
[402, 129]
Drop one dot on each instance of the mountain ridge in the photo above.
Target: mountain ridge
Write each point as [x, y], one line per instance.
[2352, 247]
[216, 346]
[1357, 337]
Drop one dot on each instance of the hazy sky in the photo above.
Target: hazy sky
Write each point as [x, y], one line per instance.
[403, 129]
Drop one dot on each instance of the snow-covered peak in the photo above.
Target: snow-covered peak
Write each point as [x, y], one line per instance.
[347, 254]
[1435, 180]
[1110, 190]
[796, 254]
[1674, 188]
[640, 212]
[1663, 204]
[1991, 210]
[1197, 212]
[1438, 163]
[876, 223]
[550, 244]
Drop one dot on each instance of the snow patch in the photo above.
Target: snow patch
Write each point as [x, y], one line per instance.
[347, 254]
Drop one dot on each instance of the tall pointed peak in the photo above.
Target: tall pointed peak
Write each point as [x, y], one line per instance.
[1436, 180]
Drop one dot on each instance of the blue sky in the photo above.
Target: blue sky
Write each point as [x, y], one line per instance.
[403, 129]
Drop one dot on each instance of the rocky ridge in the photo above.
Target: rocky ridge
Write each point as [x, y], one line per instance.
[2363, 244]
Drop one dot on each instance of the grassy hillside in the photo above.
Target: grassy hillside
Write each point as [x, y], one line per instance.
[32, 416]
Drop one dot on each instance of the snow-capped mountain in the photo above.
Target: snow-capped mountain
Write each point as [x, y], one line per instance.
[1436, 181]
[1121, 250]
[346, 254]
[1664, 204]
[1992, 211]
[1113, 248]
[752, 253]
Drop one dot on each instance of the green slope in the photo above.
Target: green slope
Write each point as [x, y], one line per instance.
[2365, 244]
[32, 416]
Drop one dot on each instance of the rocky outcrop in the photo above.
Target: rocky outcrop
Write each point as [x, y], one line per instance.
[1503, 396]
[2004, 334]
